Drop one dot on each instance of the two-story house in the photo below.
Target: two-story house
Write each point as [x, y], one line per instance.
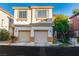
[33, 24]
[74, 20]
[6, 21]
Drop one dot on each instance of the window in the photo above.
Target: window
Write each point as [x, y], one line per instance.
[78, 17]
[41, 14]
[2, 23]
[22, 14]
[76, 33]
[10, 21]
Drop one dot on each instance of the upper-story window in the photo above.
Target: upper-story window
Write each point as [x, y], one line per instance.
[78, 17]
[2, 22]
[10, 20]
[41, 13]
[22, 14]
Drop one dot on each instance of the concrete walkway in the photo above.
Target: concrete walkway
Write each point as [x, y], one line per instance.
[31, 44]
[25, 44]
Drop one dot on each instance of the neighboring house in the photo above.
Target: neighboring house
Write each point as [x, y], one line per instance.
[33, 24]
[6, 21]
[74, 20]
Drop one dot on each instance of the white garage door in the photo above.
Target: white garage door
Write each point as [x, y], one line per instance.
[24, 36]
[41, 36]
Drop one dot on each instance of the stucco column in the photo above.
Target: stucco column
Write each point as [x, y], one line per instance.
[32, 35]
[50, 34]
[16, 32]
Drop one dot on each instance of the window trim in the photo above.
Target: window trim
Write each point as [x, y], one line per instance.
[2, 22]
[78, 17]
[22, 16]
[36, 12]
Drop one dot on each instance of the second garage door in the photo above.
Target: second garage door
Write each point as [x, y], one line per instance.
[24, 36]
[41, 36]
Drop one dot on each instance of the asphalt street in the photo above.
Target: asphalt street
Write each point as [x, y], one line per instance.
[38, 51]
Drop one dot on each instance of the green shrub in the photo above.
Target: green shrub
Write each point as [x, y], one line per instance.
[65, 40]
[13, 38]
[4, 35]
[78, 39]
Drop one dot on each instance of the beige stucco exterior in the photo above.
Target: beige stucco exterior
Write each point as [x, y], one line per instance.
[31, 23]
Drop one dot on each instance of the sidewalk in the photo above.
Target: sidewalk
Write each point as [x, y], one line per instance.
[33, 44]
[25, 44]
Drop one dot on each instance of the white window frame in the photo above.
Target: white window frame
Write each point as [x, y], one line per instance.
[2, 21]
[22, 15]
[78, 17]
[36, 14]
[77, 33]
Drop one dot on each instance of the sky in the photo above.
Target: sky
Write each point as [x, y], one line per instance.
[59, 8]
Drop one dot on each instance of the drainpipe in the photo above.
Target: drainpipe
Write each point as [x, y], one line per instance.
[31, 18]
[31, 15]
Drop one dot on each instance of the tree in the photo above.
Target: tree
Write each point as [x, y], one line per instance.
[4, 35]
[75, 11]
[61, 25]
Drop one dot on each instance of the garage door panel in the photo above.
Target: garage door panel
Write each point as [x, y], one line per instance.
[24, 36]
[41, 36]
